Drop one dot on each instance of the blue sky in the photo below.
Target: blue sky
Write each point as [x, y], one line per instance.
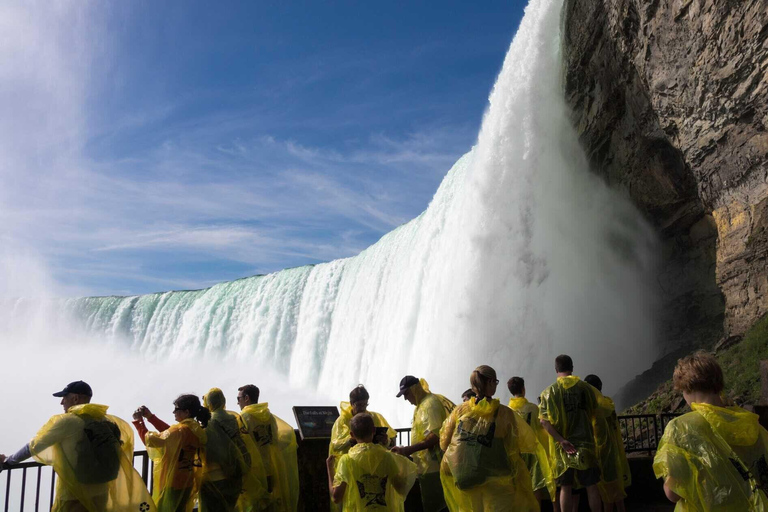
[148, 146]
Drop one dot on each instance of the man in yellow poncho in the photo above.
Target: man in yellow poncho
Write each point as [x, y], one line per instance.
[538, 463]
[566, 412]
[233, 473]
[92, 454]
[341, 441]
[431, 411]
[714, 458]
[614, 467]
[368, 477]
[276, 442]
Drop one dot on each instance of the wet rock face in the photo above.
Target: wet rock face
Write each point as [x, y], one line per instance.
[670, 99]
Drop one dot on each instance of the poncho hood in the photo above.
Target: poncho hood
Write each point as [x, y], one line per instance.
[569, 381]
[93, 410]
[735, 425]
[517, 403]
[214, 400]
[259, 411]
[484, 407]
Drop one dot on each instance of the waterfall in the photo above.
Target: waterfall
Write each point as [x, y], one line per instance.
[522, 254]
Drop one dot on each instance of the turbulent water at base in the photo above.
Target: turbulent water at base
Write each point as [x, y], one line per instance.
[521, 255]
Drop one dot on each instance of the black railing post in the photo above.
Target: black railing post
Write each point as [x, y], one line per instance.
[7, 491]
[37, 488]
[23, 488]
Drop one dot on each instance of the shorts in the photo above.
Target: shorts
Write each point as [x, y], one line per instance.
[586, 477]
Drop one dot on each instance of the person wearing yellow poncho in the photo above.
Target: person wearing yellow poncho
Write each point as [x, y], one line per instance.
[428, 417]
[538, 463]
[615, 476]
[341, 441]
[276, 443]
[714, 458]
[233, 473]
[482, 470]
[566, 412]
[92, 455]
[368, 477]
[175, 451]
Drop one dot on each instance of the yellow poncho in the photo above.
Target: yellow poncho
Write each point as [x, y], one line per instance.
[715, 458]
[177, 472]
[504, 481]
[570, 406]
[376, 478]
[614, 467]
[341, 440]
[232, 468]
[428, 417]
[538, 463]
[276, 442]
[63, 442]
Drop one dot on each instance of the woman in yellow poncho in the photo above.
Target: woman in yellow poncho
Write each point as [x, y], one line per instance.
[276, 443]
[233, 473]
[341, 441]
[482, 470]
[175, 451]
[714, 458]
[538, 463]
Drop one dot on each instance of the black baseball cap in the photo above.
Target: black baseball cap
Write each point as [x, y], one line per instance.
[406, 382]
[79, 387]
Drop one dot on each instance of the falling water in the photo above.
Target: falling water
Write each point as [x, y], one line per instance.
[521, 255]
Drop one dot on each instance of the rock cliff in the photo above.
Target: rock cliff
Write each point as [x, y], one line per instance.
[669, 99]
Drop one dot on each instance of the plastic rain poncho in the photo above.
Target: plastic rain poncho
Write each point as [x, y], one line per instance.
[233, 472]
[482, 442]
[538, 463]
[341, 440]
[376, 478]
[276, 442]
[570, 405]
[614, 467]
[428, 417]
[715, 459]
[100, 479]
[177, 472]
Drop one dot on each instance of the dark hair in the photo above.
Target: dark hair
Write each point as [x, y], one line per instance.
[594, 380]
[468, 394]
[192, 404]
[358, 394]
[563, 363]
[251, 392]
[362, 426]
[516, 385]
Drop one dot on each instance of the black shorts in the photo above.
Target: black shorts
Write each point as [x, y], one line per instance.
[586, 477]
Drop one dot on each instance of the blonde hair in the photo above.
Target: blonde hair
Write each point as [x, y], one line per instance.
[480, 378]
[699, 371]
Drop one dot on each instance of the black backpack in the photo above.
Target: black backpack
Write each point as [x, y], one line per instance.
[98, 452]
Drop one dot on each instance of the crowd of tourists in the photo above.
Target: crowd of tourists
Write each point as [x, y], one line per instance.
[480, 455]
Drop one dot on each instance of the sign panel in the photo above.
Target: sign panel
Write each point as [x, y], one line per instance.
[315, 421]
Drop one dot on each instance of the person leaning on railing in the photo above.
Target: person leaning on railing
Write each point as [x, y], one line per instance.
[175, 451]
[92, 455]
[715, 457]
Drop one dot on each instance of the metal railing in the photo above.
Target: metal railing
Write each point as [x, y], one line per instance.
[641, 433]
[43, 478]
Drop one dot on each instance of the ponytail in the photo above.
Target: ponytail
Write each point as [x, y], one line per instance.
[191, 403]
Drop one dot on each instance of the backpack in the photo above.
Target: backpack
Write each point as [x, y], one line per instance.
[98, 452]
[479, 454]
